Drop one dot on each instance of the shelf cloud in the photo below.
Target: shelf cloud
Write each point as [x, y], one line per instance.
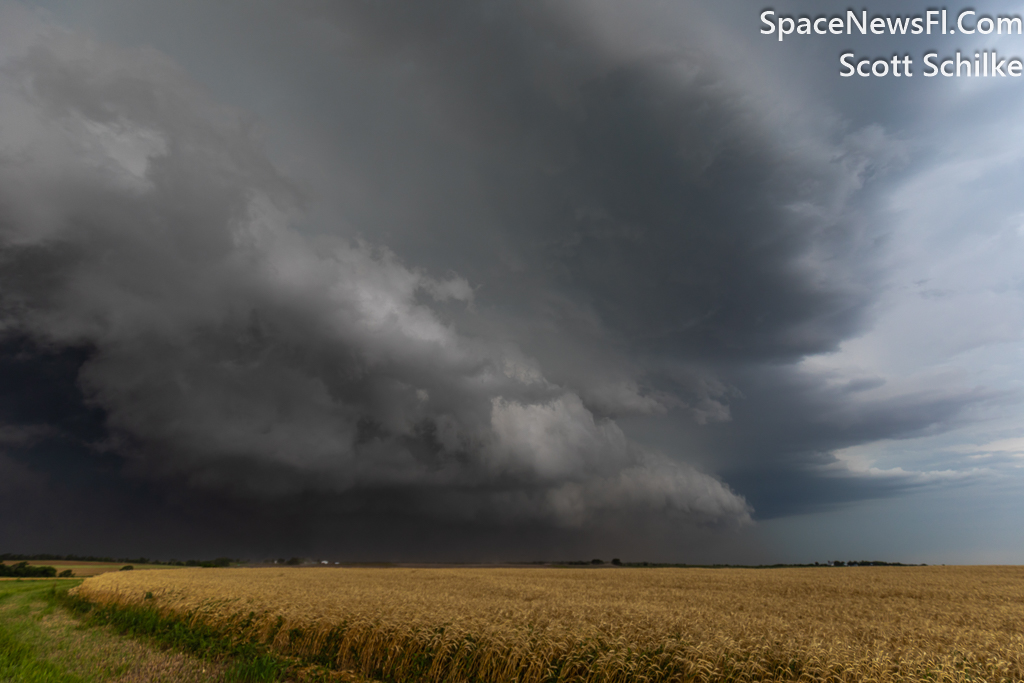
[523, 271]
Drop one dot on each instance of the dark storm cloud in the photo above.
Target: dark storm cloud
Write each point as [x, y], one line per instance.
[646, 191]
[233, 352]
[663, 231]
[541, 238]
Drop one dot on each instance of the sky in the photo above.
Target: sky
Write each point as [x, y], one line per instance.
[485, 281]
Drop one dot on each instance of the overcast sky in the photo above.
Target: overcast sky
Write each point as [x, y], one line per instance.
[482, 280]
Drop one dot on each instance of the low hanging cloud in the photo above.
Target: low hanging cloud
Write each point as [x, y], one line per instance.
[561, 439]
[228, 345]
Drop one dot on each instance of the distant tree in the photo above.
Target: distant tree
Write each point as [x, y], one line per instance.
[219, 562]
[22, 569]
[127, 568]
[293, 561]
[617, 562]
[67, 573]
[596, 561]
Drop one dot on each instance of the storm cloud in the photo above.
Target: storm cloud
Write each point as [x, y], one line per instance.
[517, 273]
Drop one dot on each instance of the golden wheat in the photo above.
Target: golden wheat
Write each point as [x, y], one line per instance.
[545, 624]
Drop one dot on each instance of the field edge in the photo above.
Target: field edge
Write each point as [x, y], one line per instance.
[247, 661]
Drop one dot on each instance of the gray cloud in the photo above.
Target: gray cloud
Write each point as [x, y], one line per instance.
[529, 268]
[655, 172]
[232, 349]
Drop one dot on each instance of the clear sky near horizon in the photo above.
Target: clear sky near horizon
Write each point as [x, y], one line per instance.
[489, 280]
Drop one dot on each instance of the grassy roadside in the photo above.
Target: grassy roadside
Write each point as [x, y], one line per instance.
[47, 636]
[246, 662]
[41, 642]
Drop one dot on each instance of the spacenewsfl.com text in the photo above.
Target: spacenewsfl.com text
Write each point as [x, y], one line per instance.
[984, 63]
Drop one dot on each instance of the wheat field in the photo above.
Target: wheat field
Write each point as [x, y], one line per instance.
[614, 624]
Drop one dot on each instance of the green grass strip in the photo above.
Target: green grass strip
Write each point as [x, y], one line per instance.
[249, 662]
[22, 638]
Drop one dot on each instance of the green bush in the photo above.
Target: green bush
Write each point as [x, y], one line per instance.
[22, 569]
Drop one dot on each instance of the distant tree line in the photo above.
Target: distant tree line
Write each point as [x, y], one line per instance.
[22, 569]
[219, 562]
[45, 557]
[835, 563]
[872, 563]
[227, 561]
